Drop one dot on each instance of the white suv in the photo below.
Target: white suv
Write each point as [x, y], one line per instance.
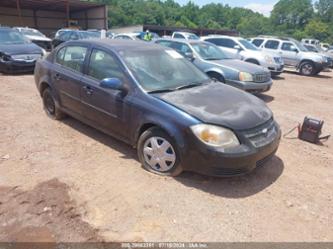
[242, 49]
[294, 54]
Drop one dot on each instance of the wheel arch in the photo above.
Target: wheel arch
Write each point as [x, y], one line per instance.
[252, 60]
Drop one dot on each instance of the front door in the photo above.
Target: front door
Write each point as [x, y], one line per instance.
[104, 107]
[67, 76]
[289, 54]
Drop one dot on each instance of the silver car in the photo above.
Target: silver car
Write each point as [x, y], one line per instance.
[216, 64]
[242, 49]
[296, 57]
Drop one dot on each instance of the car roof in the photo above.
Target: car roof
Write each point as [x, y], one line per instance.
[117, 45]
[182, 40]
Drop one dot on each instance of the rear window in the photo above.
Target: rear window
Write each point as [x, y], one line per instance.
[257, 42]
[222, 42]
[72, 57]
[272, 44]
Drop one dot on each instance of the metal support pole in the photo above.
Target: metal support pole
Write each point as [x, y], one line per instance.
[19, 11]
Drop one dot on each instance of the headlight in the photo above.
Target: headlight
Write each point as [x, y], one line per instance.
[244, 76]
[215, 136]
[269, 59]
[4, 57]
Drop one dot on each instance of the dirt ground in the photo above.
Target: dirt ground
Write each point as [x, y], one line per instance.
[64, 181]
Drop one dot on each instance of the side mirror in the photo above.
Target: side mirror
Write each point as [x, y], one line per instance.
[189, 56]
[294, 49]
[112, 83]
[237, 47]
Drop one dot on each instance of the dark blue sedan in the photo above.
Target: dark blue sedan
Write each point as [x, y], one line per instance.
[157, 101]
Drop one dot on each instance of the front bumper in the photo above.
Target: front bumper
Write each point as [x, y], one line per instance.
[251, 86]
[17, 66]
[211, 161]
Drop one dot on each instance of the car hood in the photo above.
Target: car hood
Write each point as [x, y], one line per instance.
[220, 104]
[27, 48]
[240, 66]
[37, 38]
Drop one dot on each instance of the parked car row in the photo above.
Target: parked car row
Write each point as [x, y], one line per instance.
[294, 54]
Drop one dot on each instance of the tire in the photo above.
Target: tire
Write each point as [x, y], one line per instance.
[50, 106]
[153, 145]
[216, 76]
[307, 68]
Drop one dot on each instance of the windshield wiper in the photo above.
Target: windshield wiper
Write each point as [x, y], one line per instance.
[162, 90]
[175, 89]
[188, 86]
[214, 59]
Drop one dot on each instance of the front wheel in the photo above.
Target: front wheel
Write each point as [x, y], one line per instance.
[158, 153]
[216, 76]
[307, 68]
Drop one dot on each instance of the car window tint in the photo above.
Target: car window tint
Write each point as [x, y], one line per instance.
[74, 57]
[60, 56]
[271, 44]
[180, 47]
[223, 42]
[164, 43]
[287, 46]
[103, 65]
[178, 36]
[257, 42]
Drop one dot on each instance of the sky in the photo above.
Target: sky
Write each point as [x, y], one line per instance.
[261, 6]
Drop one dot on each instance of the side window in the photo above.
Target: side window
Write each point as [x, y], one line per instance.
[179, 36]
[287, 46]
[103, 65]
[271, 44]
[257, 42]
[180, 47]
[223, 42]
[60, 56]
[74, 57]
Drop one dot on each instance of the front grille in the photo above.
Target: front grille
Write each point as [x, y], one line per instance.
[262, 77]
[25, 57]
[263, 134]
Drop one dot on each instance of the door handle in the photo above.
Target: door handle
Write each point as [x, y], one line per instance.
[57, 76]
[88, 90]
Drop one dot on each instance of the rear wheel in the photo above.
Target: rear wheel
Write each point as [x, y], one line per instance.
[307, 68]
[50, 106]
[158, 153]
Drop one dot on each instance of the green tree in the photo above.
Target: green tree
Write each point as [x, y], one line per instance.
[290, 15]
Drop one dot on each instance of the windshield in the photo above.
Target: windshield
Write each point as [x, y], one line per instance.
[299, 45]
[158, 70]
[32, 32]
[90, 34]
[248, 45]
[310, 48]
[209, 51]
[12, 37]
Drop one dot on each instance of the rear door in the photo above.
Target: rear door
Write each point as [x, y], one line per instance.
[105, 107]
[67, 76]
